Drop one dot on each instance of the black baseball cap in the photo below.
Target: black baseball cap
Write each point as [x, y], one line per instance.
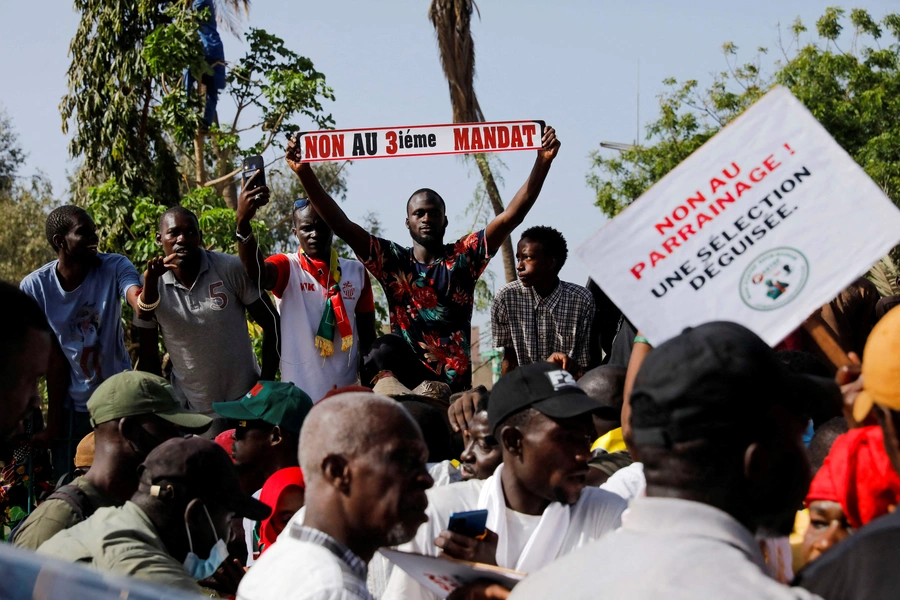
[198, 468]
[543, 386]
[717, 379]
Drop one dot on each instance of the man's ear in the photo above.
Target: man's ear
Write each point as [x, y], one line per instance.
[126, 427]
[407, 222]
[59, 242]
[758, 462]
[276, 436]
[446, 222]
[511, 440]
[336, 471]
[158, 239]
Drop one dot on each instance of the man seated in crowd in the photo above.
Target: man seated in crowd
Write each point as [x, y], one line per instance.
[202, 303]
[268, 418]
[132, 413]
[24, 354]
[482, 454]
[718, 424]
[429, 287]
[538, 315]
[365, 489]
[865, 565]
[174, 529]
[538, 506]
[81, 294]
[326, 302]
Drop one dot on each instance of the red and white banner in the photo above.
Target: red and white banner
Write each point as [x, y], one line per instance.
[420, 140]
[766, 222]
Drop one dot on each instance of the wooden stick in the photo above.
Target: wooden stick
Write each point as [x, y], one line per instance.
[816, 328]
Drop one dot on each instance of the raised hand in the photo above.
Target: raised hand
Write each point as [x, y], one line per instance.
[550, 145]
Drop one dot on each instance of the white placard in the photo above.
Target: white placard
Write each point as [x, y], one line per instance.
[762, 225]
[420, 140]
[441, 575]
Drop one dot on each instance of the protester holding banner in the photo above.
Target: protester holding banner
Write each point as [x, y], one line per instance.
[538, 315]
[430, 286]
[326, 303]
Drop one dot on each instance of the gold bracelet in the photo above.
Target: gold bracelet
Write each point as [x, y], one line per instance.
[148, 307]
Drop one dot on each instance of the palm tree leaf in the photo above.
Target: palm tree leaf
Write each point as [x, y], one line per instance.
[229, 15]
[884, 274]
[451, 20]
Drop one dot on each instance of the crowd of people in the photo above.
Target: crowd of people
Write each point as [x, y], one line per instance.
[711, 466]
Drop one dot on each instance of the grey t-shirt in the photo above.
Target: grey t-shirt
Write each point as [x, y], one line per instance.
[205, 331]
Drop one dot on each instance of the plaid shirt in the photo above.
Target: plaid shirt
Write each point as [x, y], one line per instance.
[537, 327]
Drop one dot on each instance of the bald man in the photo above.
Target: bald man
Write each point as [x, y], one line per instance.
[365, 489]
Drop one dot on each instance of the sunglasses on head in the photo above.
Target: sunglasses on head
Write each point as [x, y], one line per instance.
[301, 203]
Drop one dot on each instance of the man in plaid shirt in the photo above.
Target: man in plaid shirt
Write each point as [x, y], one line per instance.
[539, 317]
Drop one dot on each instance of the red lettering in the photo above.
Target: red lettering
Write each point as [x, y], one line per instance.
[655, 257]
[391, 137]
[502, 137]
[687, 230]
[665, 224]
[490, 138]
[695, 200]
[324, 146]
[727, 198]
[337, 144]
[529, 130]
[740, 188]
[670, 244]
[757, 175]
[683, 214]
[516, 137]
[737, 170]
[311, 150]
[461, 138]
[770, 163]
[636, 270]
[476, 139]
[715, 184]
[702, 218]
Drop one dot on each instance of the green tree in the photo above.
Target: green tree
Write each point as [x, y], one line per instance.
[850, 81]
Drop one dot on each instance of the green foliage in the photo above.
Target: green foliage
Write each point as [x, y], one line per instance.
[855, 94]
[23, 212]
[11, 154]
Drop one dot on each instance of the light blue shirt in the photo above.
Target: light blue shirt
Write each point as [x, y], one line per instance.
[87, 321]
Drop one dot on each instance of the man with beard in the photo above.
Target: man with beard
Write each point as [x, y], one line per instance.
[365, 489]
[539, 507]
[429, 287]
[325, 301]
[132, 413]
[202, 308]
[81, 294]
[718, 423]
[24, 354]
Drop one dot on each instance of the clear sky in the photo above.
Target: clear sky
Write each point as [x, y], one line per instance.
[572, 63]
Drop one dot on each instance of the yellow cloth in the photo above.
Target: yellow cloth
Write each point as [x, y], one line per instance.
[611, 442]
[801, 524]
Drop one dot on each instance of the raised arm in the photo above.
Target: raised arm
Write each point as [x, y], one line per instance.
[355, 236]
[504, 223]
[258, 270]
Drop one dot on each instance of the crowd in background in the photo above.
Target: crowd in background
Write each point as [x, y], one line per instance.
[711, 466]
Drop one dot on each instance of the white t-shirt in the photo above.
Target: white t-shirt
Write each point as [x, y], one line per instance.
[300, 296]
[520, 527]
[596, 513]
[250, 533]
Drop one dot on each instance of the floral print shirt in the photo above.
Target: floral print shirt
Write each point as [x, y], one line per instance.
[431, 305]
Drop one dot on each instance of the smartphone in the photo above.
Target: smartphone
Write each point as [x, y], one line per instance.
[252, 164]
[472, 523]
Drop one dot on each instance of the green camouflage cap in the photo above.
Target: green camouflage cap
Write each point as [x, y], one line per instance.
[134, 393]
[276, 402]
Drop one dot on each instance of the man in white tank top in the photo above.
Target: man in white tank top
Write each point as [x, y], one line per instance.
[326, 303]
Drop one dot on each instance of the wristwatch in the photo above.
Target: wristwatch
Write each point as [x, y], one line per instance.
[243, 238]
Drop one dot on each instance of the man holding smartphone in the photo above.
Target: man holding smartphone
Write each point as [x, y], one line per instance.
[430, 287]
[326, 303]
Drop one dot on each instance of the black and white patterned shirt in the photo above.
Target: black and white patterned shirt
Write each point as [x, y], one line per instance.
[536, 327]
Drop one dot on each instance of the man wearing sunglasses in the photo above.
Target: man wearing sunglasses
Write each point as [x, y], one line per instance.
[326, 304]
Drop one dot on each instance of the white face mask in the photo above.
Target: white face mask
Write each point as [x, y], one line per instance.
[199, 568]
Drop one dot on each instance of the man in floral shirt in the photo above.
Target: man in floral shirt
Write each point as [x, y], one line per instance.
[430, 286]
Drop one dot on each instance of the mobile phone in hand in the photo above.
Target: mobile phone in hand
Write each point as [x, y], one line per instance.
[472, 523]
[252, 164]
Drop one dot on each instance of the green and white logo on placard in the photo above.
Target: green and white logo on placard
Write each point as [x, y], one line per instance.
[774, 278]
